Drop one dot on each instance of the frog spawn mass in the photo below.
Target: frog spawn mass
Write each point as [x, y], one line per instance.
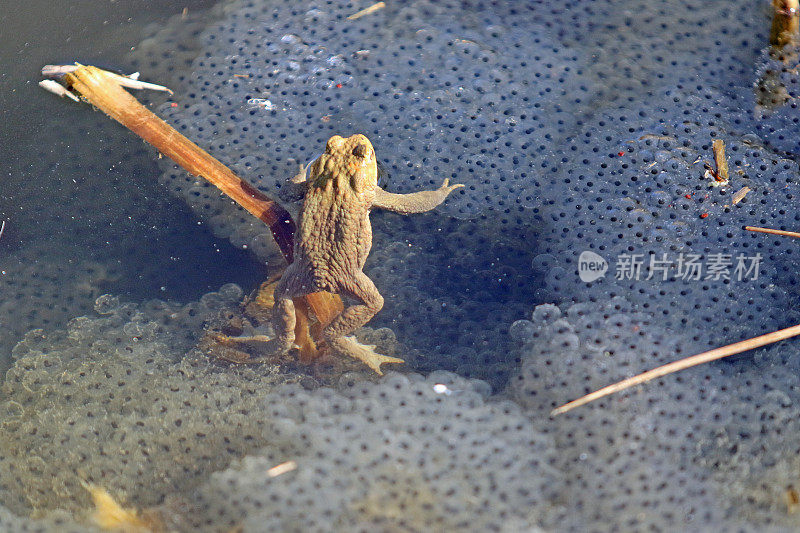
[573, 129]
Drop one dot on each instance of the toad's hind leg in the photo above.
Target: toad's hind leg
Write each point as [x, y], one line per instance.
[363, 289]
[283, 320]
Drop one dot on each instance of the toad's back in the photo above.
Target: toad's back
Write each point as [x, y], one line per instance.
[334, 237]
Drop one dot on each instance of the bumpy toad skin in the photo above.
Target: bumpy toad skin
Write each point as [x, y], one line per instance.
[333, 240]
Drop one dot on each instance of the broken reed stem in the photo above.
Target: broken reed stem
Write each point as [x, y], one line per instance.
[100, 89]
[785, 23]
[694, 360]
[720, 161]
[104, 93]
[773, 231]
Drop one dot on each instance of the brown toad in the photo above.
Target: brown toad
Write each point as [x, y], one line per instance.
[332, 242]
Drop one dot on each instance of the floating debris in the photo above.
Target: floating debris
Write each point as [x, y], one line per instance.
[111, 516]
[740, 194]
[719, 174]
[59, 71]
[784, 37]
[785, 23]
[263, 103]
[366, 11]
[792, 500]
[282, 468]
[57, 89]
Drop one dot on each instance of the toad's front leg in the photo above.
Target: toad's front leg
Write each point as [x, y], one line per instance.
[415, 202]
[362, 289]
[294, 189]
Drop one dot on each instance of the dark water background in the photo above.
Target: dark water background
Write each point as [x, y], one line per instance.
[63, 204]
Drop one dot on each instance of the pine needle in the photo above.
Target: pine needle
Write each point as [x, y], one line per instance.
[688, 362]
[773, 231]
[366, 11]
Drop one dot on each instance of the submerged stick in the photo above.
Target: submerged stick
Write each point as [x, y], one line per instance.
[773, 231]
[102, 89]
[681, 364]
[784, 37]
[785, 23]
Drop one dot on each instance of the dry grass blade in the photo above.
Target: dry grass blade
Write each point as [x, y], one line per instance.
[773, 231]
[282, 468]
[694, 360]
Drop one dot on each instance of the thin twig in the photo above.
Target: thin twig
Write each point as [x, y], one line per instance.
[681, 364]
[367, 11]
[2, 228]
[773, 231]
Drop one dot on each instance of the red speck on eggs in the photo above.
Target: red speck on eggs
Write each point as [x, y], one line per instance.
[687, 195]
[173, 104]
[620, 154]
[338, 85]
[704, 215]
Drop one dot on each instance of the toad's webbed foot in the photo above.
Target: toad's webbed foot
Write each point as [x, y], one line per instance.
[238, 349]
[350, 347]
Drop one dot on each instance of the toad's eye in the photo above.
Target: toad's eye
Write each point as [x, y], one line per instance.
[361, 150]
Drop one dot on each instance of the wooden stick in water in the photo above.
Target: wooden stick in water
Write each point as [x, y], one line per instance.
[102, 89]
[694, 360]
